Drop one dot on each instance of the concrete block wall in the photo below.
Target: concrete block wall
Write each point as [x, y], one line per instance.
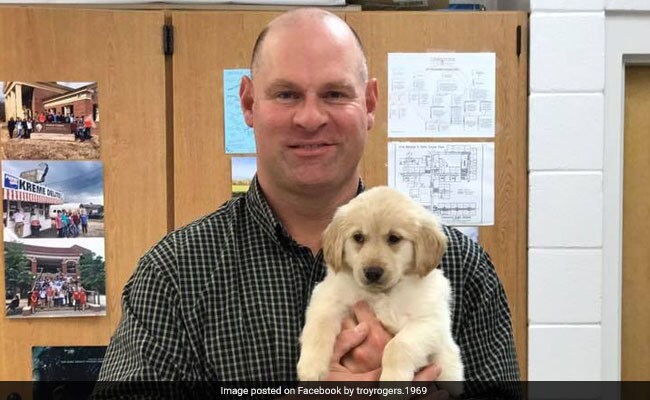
[566, 134]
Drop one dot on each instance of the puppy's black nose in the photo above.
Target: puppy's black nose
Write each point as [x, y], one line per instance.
[373, 273]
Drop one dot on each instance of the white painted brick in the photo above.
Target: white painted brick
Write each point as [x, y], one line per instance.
[629, 5]
[564, 286]
[567, 52]
[565, 209]
[567, 5]
[564, 353]
[566, 131]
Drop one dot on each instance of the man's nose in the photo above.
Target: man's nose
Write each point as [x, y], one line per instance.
[310, 114]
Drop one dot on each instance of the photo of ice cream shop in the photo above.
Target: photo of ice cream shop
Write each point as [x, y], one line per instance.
[26, 206]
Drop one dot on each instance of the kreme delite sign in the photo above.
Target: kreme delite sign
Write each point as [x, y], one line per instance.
[23, 186]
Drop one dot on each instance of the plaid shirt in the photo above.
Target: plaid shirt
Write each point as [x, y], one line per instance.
[224, 299]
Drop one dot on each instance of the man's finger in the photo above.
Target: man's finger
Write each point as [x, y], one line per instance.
[428, 374]
[371, 376]
[348, 340]
[348, 323]
[363, 312]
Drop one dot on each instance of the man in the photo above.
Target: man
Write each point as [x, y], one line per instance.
[88, 124]
[13, 305]
[11, 125]
[19, 222]
[223, 298]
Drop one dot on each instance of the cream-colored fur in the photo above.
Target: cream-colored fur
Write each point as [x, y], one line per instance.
[384, 230]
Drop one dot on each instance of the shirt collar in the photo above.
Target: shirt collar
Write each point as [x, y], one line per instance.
[261, 211]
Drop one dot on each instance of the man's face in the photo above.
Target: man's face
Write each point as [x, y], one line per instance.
[309, 106]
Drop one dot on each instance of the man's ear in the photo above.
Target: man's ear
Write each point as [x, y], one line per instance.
[333, 243]
[372, 96]
[246, 99]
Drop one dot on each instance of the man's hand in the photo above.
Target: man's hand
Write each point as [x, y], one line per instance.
[429, 374]
[367, 355]
[359, 348]
[347, 340]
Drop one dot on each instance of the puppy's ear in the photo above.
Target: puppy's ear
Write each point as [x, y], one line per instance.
[430, 245]
[333, 242]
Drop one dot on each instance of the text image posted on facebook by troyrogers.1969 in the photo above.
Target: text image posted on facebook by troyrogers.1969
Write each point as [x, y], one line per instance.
[326, 389]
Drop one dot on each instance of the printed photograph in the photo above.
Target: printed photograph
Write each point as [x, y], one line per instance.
[65, 372]
[52, 278]
[52, 199]
[67, 363]
[242, 173]
[49, 120]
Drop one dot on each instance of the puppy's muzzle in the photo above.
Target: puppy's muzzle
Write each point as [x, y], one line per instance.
[373, 274]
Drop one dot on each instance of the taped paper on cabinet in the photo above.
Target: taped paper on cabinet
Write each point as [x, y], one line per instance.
[453, 180]
[441, 94]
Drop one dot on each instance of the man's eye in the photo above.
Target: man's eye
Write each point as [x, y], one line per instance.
[334, 95]
[286, 95]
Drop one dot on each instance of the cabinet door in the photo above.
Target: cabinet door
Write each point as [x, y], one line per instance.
[503, 33]
[209, 42]
[122, 52]
[206, 44]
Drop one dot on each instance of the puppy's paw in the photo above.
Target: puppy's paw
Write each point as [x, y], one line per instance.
[389, 374]
[312, 367]
[309, 374]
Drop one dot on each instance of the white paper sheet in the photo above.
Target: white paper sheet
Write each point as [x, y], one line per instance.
[441, 94]
[453, 180]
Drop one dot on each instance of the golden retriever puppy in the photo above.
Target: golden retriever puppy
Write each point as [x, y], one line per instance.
[383, 248]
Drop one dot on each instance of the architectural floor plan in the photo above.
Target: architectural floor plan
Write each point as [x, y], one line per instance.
[441, 94]
[453, 180]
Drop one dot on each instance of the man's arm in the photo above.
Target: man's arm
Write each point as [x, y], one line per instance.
[485, 332]
[148, 344]
[145, 344]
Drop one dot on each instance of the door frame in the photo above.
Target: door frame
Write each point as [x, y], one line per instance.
[624, 45]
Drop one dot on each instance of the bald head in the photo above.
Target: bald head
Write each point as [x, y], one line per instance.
[308, 17]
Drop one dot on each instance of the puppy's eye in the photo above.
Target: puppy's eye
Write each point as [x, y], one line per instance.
[359, 238]
[394, 239]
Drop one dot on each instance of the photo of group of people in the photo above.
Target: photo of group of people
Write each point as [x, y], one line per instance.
[49, 120]
[80, 126]
[53, 201]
